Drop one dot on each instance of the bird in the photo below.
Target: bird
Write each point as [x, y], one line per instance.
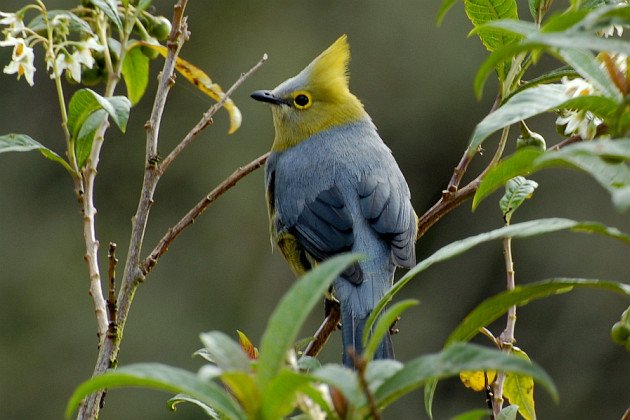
[333, 186]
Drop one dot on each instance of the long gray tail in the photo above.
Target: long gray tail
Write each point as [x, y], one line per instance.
[351, 332]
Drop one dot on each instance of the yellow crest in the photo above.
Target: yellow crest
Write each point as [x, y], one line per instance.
[330, 69]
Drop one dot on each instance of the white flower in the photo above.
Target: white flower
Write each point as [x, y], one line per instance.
[69, 64]
[13, 21]
[584, 123]
[21, 59]
[577, 87]
[83, 52]
[610, 31]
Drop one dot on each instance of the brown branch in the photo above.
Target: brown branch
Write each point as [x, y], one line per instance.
[324, 331]
[201, 206]
[206, 119]
[111, 297]
[360, 364]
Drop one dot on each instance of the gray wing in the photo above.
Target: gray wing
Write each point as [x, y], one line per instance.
[388, 210]
[324, 228]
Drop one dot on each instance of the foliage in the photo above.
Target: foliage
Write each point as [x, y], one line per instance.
[102, 42]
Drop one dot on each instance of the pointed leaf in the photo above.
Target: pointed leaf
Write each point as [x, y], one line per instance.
[493, 307]
[159, 377]
[385, 321]
[110, 9]
[517, 190]
[523, 105]
[85, 102]
[122, 107]
[291, 312]
[519, 389]
[450, 362]
[444, 8]
[225, 352]
[517, 230]
[584, 62]
[135, 72]
[180, 398]
[482, 11]
[250, 350]
[279, 397]
[25, 143]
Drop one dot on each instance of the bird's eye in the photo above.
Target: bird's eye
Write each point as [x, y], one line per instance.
[302, 100]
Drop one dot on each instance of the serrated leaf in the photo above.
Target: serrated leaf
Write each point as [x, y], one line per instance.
[25, 143]
[508, 413]
[482, 11]
[517, 190]
[372, 340]
[450, 362]
[477, 380]
[159, 377]
[291, 312]
[109, 7]
[519, 389]
[202, 81]
[135, 71]
[226, 353]
[180, 398]
[85, 137]
[495, 306]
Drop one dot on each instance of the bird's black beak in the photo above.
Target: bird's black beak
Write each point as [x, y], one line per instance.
[267, 96]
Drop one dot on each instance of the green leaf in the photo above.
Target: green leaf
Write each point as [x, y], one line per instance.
[135, 72]
[519, 107]
[226, 353]
[378, 371]
[85, 137]
[344, 379]
[291, 312]
[520, 163]
[517, 190]
[590, 69]
[180, 398]
[109, 7]
[450, 362]
[385, 321]
[508, 413]
[242, 386]
[494, 307]
[85, 102]
[482, 11]
[159, 377]
[519, 389]
[279, 397]
[25, 143]
[444, 8]
[517, 230]
[477, 414]
[38, 24]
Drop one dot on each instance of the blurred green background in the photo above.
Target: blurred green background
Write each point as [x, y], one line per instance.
[415, 80]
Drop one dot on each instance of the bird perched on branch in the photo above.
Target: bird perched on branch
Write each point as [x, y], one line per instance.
[333, 186]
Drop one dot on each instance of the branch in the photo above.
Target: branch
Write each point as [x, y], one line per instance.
[201, 206]
[206, 119]
[321, 335]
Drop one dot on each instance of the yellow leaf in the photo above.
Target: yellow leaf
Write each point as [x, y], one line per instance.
[202, 81]
[519, 390]
[246, 344]
[477, 380]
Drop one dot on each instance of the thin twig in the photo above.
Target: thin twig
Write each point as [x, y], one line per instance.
[193, 213]
[111, 297]
[323, 332]
[108, 351]
[206, 119]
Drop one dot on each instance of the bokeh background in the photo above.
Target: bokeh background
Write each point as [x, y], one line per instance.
[415, 80]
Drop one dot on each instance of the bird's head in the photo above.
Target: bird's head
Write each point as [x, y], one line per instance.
[316, 99]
